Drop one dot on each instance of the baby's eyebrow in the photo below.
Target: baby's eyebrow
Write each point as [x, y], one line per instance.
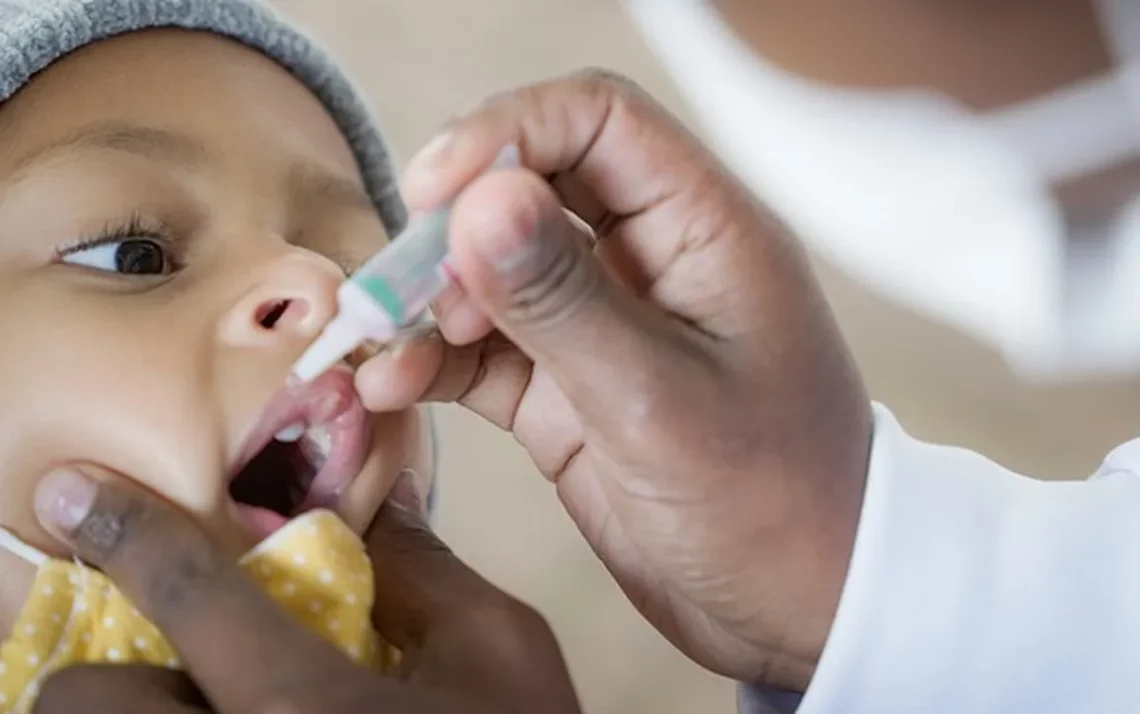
[313, 181]
[140, 140]
[149, 142]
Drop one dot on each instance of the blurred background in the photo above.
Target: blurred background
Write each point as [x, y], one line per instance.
[965, 174]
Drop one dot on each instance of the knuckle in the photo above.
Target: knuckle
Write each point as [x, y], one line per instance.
[531, 624]
[617, 90]
[554, 288]
[516, 628]
[608, 80]
[554, 274]
[490, 103]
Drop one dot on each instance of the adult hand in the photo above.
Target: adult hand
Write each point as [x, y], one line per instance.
[682, 383]
[468, 646]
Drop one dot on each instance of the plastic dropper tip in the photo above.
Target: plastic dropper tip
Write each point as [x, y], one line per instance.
[337, 340]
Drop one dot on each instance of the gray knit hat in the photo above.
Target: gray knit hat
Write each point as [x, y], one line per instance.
[35, 33]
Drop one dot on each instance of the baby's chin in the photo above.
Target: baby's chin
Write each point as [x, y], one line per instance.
[244, 528]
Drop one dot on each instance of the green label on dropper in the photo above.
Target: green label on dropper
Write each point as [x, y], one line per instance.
[382, 292]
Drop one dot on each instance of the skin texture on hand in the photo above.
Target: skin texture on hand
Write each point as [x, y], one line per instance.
[468, 646]
[682, 382]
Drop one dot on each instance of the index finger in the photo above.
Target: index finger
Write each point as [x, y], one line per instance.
[594, 129]
[419, 581]
[241, 649]
[638, 176]
[455, 627]
[596, 125]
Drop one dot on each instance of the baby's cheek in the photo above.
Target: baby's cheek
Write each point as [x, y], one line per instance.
[397, 440]
[25, 458]
[17, 513]
[166, 454]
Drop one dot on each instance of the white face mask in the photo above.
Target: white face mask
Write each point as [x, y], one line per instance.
[939, 208]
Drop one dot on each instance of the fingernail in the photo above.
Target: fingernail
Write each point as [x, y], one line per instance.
[64, 498]
[509, 157]
[506, 247]
[422, 167]
[396, 349]
[417, 336]
[405, 494]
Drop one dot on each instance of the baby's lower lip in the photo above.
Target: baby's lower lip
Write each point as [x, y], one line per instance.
[262, 522]
[350, 437]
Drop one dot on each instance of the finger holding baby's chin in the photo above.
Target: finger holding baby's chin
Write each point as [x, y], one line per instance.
[197, 595]
[469, 647]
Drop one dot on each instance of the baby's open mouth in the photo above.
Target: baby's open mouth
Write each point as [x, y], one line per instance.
[309, 444]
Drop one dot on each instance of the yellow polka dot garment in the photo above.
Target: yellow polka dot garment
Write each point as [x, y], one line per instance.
[315, 567]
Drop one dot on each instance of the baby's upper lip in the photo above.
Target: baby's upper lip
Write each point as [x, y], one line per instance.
[329, 401]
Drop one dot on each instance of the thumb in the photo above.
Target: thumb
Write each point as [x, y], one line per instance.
[531, 269]
[420, 583]
[454, 627]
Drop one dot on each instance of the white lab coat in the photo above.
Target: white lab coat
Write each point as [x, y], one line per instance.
[972, 589]
[975, 590]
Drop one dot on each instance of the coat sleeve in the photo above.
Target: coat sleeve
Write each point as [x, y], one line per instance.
[975, 589]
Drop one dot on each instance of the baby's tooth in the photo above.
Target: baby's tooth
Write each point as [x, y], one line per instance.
[319, 440]
[291, 434]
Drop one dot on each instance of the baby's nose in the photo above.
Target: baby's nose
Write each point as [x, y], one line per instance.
[290, 300]
[281, 314]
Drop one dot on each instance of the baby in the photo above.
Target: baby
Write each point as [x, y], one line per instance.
[183, 185]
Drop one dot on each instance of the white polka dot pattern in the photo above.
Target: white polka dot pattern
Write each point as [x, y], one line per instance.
[315, 567]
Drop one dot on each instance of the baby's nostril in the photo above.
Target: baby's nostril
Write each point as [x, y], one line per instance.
[269, 313]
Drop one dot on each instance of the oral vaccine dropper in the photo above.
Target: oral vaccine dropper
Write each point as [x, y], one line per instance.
[391, 291]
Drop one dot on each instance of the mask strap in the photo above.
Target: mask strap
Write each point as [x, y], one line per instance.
[1074, 130]
[1120, 26]
[20, 549]
[1092, 124]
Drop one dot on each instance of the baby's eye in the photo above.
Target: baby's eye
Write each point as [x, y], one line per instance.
[131, 256]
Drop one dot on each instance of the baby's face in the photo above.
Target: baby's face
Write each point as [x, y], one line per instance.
[176, 213]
